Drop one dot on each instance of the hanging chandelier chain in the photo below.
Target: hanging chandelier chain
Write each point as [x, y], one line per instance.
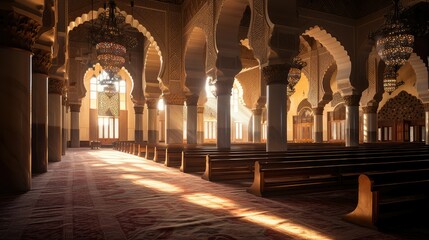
[111, 41]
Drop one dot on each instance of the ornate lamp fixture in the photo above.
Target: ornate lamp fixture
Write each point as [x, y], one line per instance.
[390, 83]
[111, 41]
[295, 73]
[389, 80]
[394, 41]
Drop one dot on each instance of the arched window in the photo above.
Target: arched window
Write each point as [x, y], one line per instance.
[336, 124]
[108, 99]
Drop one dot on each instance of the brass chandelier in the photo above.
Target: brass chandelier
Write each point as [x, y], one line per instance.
[394, 44]
[107, 34]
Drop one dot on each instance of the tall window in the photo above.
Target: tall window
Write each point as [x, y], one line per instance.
[95, 88]
[264, 130]
[210, 128]
[234, 100]
[337, 123]
[238, 131]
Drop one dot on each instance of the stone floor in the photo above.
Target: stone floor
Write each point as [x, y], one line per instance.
[105, 194]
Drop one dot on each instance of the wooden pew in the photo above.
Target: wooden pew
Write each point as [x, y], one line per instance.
[282, 177]
[228, 167]
[385, 196]
[95, 144]
[195, 161]
[150, 151]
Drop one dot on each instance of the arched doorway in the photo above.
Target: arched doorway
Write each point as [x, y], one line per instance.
[337, 124]
[402, 119]
[303, 123]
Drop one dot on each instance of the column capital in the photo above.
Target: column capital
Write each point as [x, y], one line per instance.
[138, 109]
[152, 103]
[352, 100]
[174, 99]
[370, 109]
[257, 111]
[42, 61]
[223, 87]
[200, 109]
[192, 100]
[318, 110]
[275, 74]
[55, 85]
[17, 30]
[74, 107]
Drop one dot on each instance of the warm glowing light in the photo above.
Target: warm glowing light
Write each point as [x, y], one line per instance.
[130, 176]
[210, 201]
[161, 104]
[158, 185]
[153, 168]
[262, 218]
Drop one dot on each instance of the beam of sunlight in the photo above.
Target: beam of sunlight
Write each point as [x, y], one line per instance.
[261, 218]
[210, 201]
[130, 176]
[129, 169]
[99, 165]
[152, 168]
[158, 185]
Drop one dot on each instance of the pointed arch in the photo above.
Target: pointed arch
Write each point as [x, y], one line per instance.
[152, 84]
[195, 60]
[129, 19]
[341, 57]
[421, 72]
[226, 38]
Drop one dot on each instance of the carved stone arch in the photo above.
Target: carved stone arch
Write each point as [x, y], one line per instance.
[227, 30]
[340, 55]
[373, 94]
[302, 105]
[363, 53]
[152, 84]
[326, 86]
[421, 72]
[91, 15]
[195, 60]
[339, 112]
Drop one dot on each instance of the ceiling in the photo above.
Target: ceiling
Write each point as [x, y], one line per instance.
[345, 8]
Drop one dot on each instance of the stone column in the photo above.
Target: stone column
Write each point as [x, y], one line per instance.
[192, 119]
[257, 125]
[276, 79]
[427, 123]
[223, 92]
[200, 125]
[55, 87]
[63, 124]
[42, 60]
[74, 131]
[318, 124]
[152, 121]
[370, 124]
[138, 132]
[17, 39]
[352, 120]
[173, 119]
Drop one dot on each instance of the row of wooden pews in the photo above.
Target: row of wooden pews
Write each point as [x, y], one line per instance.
[380, 170]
